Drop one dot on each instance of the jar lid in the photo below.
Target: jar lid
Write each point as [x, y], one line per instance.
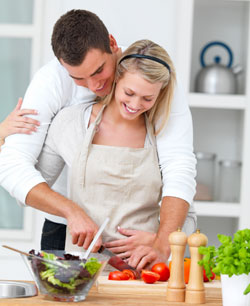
[205, 155]
[230, 163]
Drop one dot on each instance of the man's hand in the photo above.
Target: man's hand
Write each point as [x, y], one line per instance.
[144, 257]
[83, 229]
[16, 122]
[134, 238]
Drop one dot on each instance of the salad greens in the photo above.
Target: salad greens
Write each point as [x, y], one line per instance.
[232, 257]
[73, 275]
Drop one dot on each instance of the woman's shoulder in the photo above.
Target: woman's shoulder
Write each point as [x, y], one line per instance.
[71, 117]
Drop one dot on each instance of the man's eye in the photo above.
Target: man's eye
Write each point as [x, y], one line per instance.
[128, 94]
[100, 70]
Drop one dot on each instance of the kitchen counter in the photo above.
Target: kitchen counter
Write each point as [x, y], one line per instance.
[105, 299]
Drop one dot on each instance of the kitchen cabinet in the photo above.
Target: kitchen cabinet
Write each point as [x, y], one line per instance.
[20, 57]
[221, 122]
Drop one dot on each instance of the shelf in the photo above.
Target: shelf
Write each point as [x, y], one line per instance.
[217, 209]
[217, 101]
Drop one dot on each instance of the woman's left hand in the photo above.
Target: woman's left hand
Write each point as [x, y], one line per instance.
[134, 238]
[144, 257]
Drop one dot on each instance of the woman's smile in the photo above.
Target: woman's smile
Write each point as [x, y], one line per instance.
[129, 109]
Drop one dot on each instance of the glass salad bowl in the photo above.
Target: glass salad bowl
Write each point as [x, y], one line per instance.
[69, 278]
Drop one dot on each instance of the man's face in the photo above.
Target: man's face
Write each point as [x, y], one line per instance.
[96, 72]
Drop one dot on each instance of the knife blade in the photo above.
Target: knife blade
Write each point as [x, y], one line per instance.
[117, 262]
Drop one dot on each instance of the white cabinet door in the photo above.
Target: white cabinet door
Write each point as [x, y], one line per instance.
[20, 37]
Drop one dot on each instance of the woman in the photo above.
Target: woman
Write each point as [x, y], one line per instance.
[16, 122]
[109, 146]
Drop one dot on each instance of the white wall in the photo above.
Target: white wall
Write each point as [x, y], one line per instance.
[127, 21]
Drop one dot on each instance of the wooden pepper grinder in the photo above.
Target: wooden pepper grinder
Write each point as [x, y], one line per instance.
[176, 284]
[195, 292]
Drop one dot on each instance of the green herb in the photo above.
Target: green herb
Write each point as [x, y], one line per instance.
[232, 257]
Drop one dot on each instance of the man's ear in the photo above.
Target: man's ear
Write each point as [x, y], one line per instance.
[113, 44]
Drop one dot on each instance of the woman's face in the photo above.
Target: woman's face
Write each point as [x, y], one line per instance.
[134, 95]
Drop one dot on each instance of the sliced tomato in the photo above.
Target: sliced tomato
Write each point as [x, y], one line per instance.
[130, 273]
[118, 275]
[149, 277]
[162, 269]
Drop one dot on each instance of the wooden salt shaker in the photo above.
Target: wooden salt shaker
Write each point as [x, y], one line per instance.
[176, 284]
[195, 292]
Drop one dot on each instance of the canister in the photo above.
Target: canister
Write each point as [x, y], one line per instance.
[229, 181]
[205, 176]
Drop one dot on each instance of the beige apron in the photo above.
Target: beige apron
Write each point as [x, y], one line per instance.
[121, 183]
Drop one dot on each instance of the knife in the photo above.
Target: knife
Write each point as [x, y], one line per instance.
[117, 262]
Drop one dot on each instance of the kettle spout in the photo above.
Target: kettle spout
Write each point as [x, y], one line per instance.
[237, 69]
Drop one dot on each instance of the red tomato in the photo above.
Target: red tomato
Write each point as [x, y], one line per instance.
[205, 278]
[130, 273]
[118, 275]
[163, 270]
[149, 277]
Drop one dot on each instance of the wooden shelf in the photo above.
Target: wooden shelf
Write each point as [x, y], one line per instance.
[217, 209]
[201, 100]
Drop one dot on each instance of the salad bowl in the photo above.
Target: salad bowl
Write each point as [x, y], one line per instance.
[71, 280]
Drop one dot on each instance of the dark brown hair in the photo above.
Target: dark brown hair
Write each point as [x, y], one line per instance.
[77, 32]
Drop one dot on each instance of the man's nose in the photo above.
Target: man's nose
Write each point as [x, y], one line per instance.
[93, 84]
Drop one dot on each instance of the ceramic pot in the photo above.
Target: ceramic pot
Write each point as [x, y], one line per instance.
[233, 288]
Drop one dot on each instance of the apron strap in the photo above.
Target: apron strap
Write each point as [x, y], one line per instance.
[150, 131]
[86, 145]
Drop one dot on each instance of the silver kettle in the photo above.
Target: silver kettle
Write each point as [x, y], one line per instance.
[217, 78]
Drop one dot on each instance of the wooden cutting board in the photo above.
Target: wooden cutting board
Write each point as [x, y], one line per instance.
[138, 287]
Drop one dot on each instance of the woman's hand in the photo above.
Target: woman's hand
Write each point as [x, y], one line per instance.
[16, 122]
[133, 238]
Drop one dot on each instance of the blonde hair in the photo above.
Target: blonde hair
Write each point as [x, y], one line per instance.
[153, 72]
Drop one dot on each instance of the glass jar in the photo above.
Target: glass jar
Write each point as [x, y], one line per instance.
[229, 181]
[205, 176]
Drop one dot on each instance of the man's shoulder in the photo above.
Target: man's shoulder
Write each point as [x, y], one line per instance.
[53, 68]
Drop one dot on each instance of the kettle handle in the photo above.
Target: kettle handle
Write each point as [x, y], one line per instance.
[216, 43]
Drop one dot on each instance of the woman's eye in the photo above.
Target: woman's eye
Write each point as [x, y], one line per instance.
[148, 100]
[128, 94]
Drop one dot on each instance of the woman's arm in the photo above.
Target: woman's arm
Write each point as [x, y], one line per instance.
[17, 122]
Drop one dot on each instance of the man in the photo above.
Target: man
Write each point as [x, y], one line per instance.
[85, 65]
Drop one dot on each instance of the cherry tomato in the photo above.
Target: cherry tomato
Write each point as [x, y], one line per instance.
[118, 275]
[163, 270]
[205, 278]
[130, 273]
[149, 277]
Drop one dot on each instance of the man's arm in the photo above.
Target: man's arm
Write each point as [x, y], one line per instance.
[173, 214]
[81, 227]
[47, 94]
[50, 163]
